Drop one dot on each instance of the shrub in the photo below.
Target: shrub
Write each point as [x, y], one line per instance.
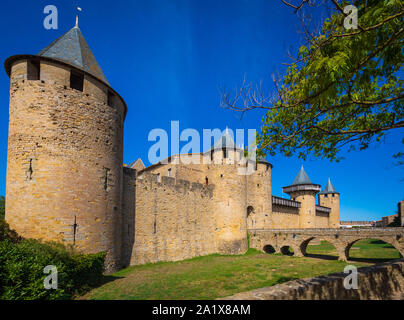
[2, 207]
[22, 266]
[7, 234]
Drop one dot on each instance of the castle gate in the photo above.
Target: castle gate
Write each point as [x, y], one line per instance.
[341, 239]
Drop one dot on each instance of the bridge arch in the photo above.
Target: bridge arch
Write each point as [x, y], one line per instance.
[389, 241]
[287, 250]
[305, 243]
[269, 249]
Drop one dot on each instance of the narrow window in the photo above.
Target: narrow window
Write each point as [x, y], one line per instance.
[111, 97]
[211, 155]
[158, 178]
[206, 180]
[333, 195]
[76, 81]
[224, 153]
[170, 173]
[33, 70]
[325, 196]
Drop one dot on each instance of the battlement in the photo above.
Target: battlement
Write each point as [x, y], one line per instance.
[179, 185]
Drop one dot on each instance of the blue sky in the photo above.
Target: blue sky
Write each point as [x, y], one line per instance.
[167, 59]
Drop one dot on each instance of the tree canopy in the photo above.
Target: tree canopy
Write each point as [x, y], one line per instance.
[344, 88]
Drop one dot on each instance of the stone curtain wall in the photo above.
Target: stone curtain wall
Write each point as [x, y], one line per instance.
[380, 282]
[322, 220]
[174, 220]
[128, 214]
[64, 162]
[284, 217]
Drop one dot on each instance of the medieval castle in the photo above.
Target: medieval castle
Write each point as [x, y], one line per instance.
[66, 180]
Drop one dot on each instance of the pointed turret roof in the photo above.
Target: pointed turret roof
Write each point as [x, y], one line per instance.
[301, 178]
[225, 141]
[329, 188]
[73, 49]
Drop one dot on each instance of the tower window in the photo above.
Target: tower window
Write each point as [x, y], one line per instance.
[206, 180]
[33, 70]
[170, 172]
[224, 153]
[333, 195]
[326, 196]
[158, 177]
[111, 97]
[76, 81]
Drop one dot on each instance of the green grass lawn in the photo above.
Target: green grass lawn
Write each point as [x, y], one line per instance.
[215, 276]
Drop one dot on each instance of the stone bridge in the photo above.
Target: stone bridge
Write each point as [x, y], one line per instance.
[280, 240]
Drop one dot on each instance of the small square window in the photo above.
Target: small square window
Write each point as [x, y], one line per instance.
[33, 70]
[76, 81]
[111, 98]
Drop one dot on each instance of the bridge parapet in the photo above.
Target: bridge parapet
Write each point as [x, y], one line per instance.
[278, 240]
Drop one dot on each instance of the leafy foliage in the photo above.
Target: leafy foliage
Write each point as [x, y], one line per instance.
[22, 262]
[344, 89]
[7, 234]
[2, 207]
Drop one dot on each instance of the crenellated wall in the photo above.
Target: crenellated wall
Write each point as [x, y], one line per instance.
[174, 220]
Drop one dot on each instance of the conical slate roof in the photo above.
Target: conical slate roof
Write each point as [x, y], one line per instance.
[329, 188]
[301, 178]
[73, 49]
[225, 141]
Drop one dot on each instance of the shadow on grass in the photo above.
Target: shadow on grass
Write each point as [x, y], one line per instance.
[321, 256]
[380, 242]
[107, 279]
[372, 260]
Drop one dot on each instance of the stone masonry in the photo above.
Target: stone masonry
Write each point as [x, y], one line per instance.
[66, 180]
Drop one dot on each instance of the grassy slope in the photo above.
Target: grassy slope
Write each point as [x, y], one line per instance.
[216, 276]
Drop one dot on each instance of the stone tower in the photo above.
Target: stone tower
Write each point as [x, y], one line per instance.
[304, 191]
[64, 165]
[230, 198]
[329, 197]
[259, 195]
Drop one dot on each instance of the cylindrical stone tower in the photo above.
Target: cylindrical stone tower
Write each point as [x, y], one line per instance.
[304, 191]
[259, 196]
[64, 165]
[329, 197]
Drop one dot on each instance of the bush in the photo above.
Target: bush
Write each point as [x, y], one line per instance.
[7, 234]
[2, 207]
[22, 266]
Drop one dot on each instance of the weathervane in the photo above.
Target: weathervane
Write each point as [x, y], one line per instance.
[77, 16]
